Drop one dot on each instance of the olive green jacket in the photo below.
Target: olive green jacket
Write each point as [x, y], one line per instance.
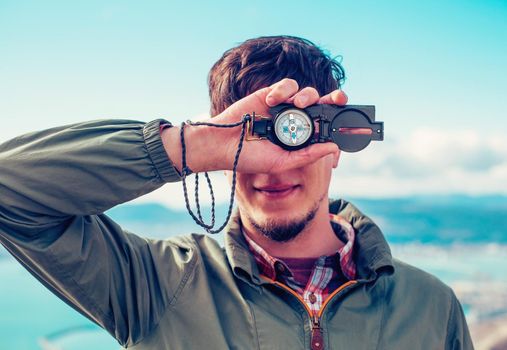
[188, 292]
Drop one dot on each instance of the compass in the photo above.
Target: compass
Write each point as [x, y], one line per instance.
[351, 127]
[293, 128]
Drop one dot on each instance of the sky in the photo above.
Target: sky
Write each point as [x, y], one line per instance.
[435, 70]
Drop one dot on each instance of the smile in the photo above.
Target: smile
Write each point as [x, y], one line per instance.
[277, 191]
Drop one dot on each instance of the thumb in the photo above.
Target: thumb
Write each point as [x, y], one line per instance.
[311, 154]
[255, 102]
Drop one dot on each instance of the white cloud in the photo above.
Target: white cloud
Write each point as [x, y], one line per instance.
[426, 161]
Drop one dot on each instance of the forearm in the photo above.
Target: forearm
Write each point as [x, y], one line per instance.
[206, 147]
[51, 184]
[80, 169]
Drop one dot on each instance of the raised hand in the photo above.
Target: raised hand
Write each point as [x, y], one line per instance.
[210, 148]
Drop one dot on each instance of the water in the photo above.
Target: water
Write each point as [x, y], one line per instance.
[29, 312]
[468, 252]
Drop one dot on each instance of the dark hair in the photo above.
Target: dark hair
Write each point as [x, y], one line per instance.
[260, 62]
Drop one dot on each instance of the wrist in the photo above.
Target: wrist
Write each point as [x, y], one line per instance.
[201, 144]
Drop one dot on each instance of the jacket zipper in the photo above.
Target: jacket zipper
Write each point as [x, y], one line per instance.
[317, 339]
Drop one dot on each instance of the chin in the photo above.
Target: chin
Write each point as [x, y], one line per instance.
[278, 211]
[283, 228]
[282, 214]
[268, 219]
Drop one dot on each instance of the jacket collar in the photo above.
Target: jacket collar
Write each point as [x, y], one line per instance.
[236, 248]
[372, 254]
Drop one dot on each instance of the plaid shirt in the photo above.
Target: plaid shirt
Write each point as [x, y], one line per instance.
[327, 274]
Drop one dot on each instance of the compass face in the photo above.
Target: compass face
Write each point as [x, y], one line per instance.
[293, 127]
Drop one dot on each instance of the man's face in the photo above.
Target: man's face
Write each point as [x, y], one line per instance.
[284, 200]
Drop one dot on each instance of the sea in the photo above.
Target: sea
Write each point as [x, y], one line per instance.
[460, 239]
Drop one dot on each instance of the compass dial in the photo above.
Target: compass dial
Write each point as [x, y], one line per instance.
[293, 127]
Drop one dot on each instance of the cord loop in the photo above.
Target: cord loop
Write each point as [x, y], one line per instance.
[185, 171]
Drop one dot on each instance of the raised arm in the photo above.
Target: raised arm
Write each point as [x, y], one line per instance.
[56, 184]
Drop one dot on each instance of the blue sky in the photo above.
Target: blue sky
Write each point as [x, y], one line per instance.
[436, 71]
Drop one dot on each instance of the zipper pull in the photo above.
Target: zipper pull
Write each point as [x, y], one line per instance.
[317, 338]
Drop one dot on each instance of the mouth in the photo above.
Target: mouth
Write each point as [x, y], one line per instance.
[278, 191]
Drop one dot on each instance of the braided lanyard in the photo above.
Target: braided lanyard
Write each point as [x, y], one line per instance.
[185, 171]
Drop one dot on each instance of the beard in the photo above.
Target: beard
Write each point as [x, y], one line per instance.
[285, 231]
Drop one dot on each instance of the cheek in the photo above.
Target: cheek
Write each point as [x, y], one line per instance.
[243, 184]
[325, 165]
[320, 174]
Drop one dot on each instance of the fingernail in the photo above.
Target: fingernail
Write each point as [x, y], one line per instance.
[341, 96]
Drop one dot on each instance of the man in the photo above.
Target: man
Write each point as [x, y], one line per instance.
[297, 272]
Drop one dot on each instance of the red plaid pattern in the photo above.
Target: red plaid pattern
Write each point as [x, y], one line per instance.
[347, 264]
[326, 275]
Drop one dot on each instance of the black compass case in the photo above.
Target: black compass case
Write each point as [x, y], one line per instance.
[351, 127]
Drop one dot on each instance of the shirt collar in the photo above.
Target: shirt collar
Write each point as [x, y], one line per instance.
[271, 266]
[371, 253]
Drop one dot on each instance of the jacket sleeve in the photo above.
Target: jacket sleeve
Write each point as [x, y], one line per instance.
[458, 336]
[54, 187]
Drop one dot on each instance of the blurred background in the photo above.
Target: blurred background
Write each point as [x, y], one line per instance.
[435, 70]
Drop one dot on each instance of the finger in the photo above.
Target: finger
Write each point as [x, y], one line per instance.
[317, 151]
[337, 97]
[306, 97]
[281, 91]
[255, 102]
[305, 156]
